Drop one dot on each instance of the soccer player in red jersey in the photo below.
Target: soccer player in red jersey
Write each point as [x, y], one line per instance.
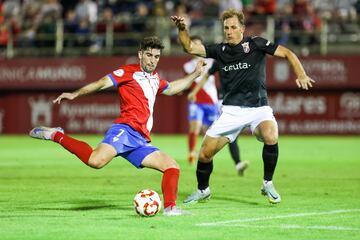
[129, 136]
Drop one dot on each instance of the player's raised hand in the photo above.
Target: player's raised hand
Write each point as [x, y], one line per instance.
[304, 82]
[200, 66]
[69, 96]
[179, 22]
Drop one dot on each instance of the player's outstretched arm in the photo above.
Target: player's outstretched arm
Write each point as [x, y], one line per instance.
[103, 83]
[188, 45]
[183, 83]
[303, 81]
[192, 95]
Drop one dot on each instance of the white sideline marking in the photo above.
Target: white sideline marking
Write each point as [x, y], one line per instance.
[295, 215]
[294, 226]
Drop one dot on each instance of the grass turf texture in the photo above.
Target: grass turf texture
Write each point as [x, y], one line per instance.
[46, 193]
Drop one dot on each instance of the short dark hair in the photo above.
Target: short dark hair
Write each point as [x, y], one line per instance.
[151, 42]
[231, 12]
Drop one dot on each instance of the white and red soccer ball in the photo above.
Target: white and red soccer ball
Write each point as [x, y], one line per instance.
[147, 203]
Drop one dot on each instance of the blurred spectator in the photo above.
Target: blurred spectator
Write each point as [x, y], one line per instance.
[33, 23]
[113, 5]
[83, 33]
[11, 8]
[248, 7]
[195, 9]
[182, 11]
[87, 9]
[159, 8]
[281, 4]
[45, 34]
[4, 33]
[211, 9]
[307, 25]
[30, 11]
[300, 7]
[140, 20]
[9, 28]
[45, 22]
[50, 8]
[68, 6]
[326, 8]
[345, 10]
[107, 20]
[357, 7]
[264, 7]
[161, 22]
[256, 23]
[226, 4]
[126, 7]
[70, 27]
[283, 24]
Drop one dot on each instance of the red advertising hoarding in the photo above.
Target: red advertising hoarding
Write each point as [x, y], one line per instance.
[331, 72]
[317, 113]
[296, 113]
[27, 87]
[65, 73]
[70, 73]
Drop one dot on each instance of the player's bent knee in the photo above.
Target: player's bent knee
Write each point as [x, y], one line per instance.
[270, 139]
[172, 167]
[172, 164]
[96, 163]
[205, 156]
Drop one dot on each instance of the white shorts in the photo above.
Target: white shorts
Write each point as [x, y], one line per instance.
[234, 119]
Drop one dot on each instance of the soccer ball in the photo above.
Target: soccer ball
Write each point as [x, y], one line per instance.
[147, 203]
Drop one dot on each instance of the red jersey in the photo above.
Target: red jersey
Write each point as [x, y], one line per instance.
[137, 91]
[208, 93]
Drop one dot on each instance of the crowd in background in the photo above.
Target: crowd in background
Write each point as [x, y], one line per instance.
[26, 20]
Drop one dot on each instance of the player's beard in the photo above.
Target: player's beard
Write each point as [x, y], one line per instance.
[149, 68]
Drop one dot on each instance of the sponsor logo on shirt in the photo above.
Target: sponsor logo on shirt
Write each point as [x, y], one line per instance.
[246, 47]
[237, 66]
[119, 73]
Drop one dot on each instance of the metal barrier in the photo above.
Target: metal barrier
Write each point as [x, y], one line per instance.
[114, 41]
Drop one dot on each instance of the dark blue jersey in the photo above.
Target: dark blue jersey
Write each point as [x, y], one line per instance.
[242, 70]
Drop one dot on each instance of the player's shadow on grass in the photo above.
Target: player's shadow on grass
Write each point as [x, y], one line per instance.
[236, 200]
[91, 205]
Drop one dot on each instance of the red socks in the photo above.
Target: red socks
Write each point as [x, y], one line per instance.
[81, 149]
[169, 186]
[192, 141]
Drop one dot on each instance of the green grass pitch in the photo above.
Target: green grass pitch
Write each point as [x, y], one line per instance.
[46, 193]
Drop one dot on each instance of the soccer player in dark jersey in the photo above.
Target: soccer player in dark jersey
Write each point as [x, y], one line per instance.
[129, 136]
[242, 70]
[240, 165]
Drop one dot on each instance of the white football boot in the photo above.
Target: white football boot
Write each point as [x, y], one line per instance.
[269, 190]
[175, 211]
[44, 133]
[198, 196]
